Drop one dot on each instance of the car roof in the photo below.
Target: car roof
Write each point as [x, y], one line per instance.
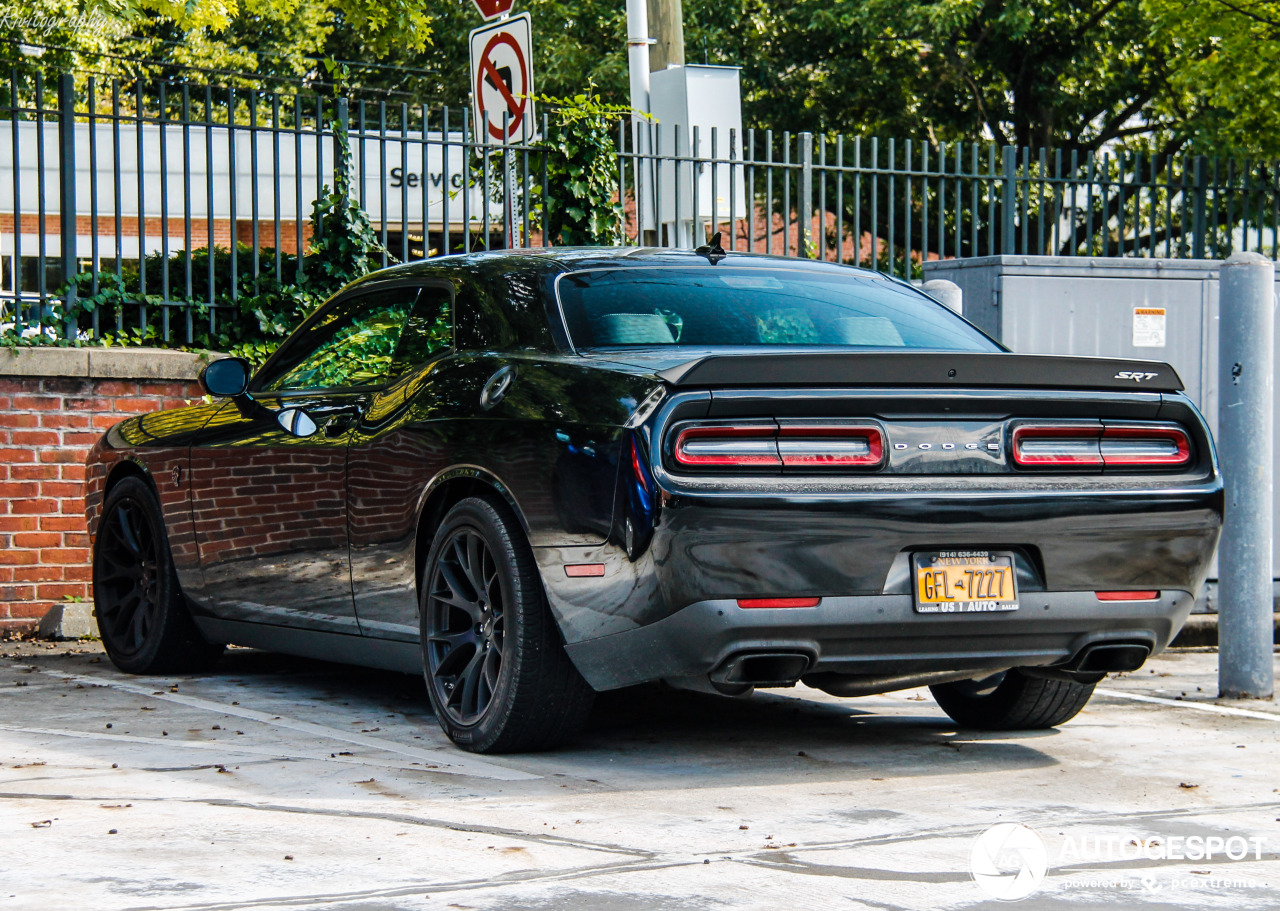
[574, 259]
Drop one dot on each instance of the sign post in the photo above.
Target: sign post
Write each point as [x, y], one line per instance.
[502, 93]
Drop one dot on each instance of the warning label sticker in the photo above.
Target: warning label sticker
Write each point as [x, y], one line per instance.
[1148, 327]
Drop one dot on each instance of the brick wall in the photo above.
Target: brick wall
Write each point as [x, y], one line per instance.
[54, 404]
[157, 227]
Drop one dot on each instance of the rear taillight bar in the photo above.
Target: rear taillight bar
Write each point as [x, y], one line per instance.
[1057, 446]
[1139, 445]
[795, 446]
[728, 446]
[1099, 446]
[830, 446]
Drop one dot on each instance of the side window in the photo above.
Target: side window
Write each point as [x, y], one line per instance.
[351, 346]
[427, 332]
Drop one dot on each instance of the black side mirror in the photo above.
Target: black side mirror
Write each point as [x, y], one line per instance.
[226, 378]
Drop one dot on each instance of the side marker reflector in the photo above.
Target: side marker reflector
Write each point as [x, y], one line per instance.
[1128, 596]
[778, 602]
[578, 570]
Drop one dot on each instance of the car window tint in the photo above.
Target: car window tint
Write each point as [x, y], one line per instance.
[348, 347]
[712, 306]
[500, 306]
[427, 331]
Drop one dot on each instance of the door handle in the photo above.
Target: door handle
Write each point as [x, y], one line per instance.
[339, 424]
[343, 419]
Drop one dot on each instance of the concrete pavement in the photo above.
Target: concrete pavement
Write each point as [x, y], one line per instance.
[282, 783]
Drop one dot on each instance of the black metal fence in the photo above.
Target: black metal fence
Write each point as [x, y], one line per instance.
[182, 198]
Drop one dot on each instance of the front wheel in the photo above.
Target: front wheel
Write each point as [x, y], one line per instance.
[142, 615]
[497, 673]
[1016, 702]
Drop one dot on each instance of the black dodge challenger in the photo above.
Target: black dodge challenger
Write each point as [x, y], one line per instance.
[535, 475]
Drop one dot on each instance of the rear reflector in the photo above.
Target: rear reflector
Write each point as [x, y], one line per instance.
[578, 570]
[1128, 596]
[763, 446]
[778, 602]
[1100, 446]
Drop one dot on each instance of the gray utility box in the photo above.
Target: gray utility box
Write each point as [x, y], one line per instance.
[1157, 309]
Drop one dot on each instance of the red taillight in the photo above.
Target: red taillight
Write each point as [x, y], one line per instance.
[1138, 445]
[778, 602]
[799, 446]
[583, 570]
[1128, 596]
[1100, 446]
[728, 446]
[830, 445]
[1057, 445]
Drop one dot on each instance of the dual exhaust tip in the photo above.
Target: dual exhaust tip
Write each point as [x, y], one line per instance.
[785, 668]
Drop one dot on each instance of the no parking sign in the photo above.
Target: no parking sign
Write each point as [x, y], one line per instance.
[502, 81]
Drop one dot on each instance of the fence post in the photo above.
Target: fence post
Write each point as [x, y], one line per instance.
[1201, 225]
[804, 224]
[1246, 308]
[1009, 201]
[67, 193]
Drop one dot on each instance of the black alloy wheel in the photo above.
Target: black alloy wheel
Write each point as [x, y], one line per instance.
[143, 618]
[496, 670]
[464, 646]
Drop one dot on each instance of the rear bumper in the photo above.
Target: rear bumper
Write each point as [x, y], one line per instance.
[878, 635]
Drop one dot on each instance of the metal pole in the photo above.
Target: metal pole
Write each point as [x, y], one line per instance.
[1009, 198]
[805, 227]
[67, 193]
[947, 293]
[1246, 365]
[1200, 229]
[638, 42]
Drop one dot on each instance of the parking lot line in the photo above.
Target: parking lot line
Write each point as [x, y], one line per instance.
[221, 746]
[453, 762]
[1199, 706]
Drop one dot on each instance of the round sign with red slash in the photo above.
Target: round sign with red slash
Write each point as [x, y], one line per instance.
[502, 81]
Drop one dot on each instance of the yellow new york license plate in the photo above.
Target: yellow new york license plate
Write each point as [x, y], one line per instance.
[964, 581]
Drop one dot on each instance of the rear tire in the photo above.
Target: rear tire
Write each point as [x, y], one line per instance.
[496, 670]
[1019, 702]
[143, 618]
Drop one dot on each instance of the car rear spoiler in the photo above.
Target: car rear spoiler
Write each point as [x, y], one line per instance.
[923, 368]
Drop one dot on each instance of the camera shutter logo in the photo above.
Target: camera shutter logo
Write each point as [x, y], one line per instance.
[1008, 861]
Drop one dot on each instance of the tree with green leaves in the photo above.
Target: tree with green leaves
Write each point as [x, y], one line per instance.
[1226, 66]
[275, 38]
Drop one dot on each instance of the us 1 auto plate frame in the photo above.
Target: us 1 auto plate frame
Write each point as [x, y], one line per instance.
[925, 559]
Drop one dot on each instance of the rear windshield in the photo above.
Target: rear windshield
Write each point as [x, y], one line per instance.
[711, 306]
